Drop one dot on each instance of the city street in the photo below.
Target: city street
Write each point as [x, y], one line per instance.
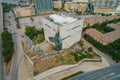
[109, 73]
[16, 58]
[2, 72]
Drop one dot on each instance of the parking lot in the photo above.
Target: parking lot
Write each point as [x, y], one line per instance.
[31, 21]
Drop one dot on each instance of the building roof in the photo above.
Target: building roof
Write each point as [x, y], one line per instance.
[118, 8]
[62, 19]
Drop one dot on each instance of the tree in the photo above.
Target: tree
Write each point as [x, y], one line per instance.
[7, 7]
[32, 19]
[78, 12]
[7, 45]
[81, 43]
[31, 32]
[90, 49]
[112, 49]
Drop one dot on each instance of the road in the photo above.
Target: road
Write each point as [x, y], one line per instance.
[109, 73]
[2, 68]
[18, 51]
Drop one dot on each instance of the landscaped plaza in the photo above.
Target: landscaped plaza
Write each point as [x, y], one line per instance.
[43, 54]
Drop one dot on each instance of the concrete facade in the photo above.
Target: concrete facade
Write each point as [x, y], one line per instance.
[106, 3]
[99, 19]
[24, 11]
[104, 10]
[57, 4]
[69, 33]
[71, 6]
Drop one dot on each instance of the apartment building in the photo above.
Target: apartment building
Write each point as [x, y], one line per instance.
[71, 6]
[105, 6]
[61, 30]
[105, 38]
[106, 3]
[99, 19]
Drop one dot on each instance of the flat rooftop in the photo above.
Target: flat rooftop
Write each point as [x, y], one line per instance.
[61, 19]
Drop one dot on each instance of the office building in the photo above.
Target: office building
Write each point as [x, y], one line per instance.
[43, 6]
[61, 30]
[106, 3]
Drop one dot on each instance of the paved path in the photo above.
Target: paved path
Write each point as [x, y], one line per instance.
[16, 58]
[86, 67]
[65, 70]
[106, 56]
[109, 73]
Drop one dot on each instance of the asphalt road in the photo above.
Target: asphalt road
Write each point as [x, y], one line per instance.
[109, 73]
[2, 72]
[18, 51]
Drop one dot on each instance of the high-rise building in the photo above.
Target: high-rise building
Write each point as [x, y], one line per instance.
[62, 30]
[106, 3]
[43, 6]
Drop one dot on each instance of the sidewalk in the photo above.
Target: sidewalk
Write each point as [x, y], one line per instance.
[86, 66]
[62, 71]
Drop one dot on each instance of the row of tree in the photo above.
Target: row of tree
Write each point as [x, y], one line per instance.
[102, 27]
[7, 45]
[7, 7]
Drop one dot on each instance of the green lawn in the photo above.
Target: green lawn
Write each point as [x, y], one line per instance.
[34, 34]
[67, 59]
[73, 57]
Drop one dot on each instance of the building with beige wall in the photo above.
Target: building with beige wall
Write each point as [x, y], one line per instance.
[71, 6]
[24, 11]
[99, 19]
[57, 4]
[62, 30]
[105, 38]
[104, 10]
